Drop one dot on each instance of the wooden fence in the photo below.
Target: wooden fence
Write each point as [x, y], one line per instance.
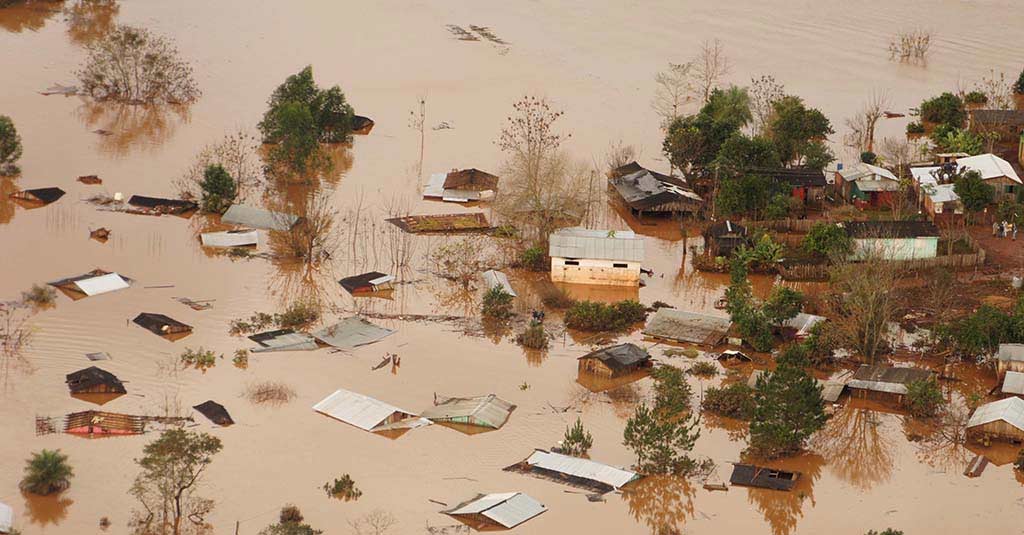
[799, 226]
[956, 261]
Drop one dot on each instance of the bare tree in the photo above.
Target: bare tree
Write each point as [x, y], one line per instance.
[764, 93]
[898, 154]
[997, 89]
[135, 66]
[376, 522]
[619, 154]
[461, 260]
[418, 121]
[865, 299]
[709, 68]
[15, 337]
[673, 90]
[237, 153]
[862, 126]
[910, 45]
[316, 235]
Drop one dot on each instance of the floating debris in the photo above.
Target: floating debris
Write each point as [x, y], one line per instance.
[205, 304]
[91, 180]
[442, 223]
[58, 89]
[101, 234]
[486, 33]
[461, 33]
[362, 126]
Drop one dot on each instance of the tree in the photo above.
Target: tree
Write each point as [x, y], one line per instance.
[740, 153]
[783, 304]
[497, 304]
[1018, 86]
[748, 193]
[729, 107]
[865, 302]
[672, 91]
[974, 193]
[315, 236]
[290, 523]
[219, 189]
[296, 138]
[924, 397]
[330, 113]
[694, 141]
[135, 66]
[788, 407]
[887, 531]
[862, 125]
[671, 391]
[954, 139]
[710, 66]
[173, 467]
[661, 445]
[577, 441]
[827, 240]
[798, 132]
[946, 108]
[10, 147]
[236, 152]
[48, 471]
[764, 93]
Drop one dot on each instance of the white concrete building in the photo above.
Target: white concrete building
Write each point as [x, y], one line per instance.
[587, 256]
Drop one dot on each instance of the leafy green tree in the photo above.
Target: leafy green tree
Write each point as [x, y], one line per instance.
[694, 141]
[330, 113]
[661, 445]
[946, 108]
[827, 239]
[1018, 86]
[741, 152]
[954, 139]
[783, 304]
[290, 523]
[296, 137]
[778, 207]
[981, 333]
[671, 391]
[48, 471]
[497, 304]
[797, 130]
[219, 189]
[729, 107]
[924, 398]
[577, 441]
[746, 194]
[173, 467]
[974, 193]
[734, 401]
[10, 147]
[788, 406]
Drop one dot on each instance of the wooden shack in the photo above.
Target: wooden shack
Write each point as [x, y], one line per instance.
[1009, 358]
[93, 380]
[886, 384]
[999, 420]
[724, 237]
[615, 361]
[648, 192]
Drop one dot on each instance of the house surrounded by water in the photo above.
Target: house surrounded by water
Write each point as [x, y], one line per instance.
[605, 257]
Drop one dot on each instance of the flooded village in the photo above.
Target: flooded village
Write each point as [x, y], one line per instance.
[429, 267]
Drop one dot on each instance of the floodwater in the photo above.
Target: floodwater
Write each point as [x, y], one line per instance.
[595, 60]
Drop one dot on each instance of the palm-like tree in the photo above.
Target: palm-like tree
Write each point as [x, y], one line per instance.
[47, 472]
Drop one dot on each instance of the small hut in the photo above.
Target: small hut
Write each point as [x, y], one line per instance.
[373, 281]
[160, 324]
[722, 238]
[615, 361]
[1010, 358]
[885, 383]
[93, 380]
[215, 412]
[999, 420]
[749, 475]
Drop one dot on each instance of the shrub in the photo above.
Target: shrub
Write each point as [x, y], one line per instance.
[915, 128]
[734, 401]
[826, 239]
[593, 316]
[534, 258]
[924, 398]
[219, 189]
[778, 207]
[47, 472]
[868, 157]
[241, 358]
[955, 139]
[343, 488]
[200, 358]
[290, 523]
[272, 392]
[1018, 86]
[40, 296]
[975, 97]
[703, 369]
[298, 315]
[158, 74]
[577, 441]
[946, 108]
[497, 304]
[10, 147]
[533, 337]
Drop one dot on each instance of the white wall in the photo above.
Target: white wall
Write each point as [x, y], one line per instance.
[591, 271]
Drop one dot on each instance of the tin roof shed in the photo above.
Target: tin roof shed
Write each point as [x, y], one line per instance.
[1009, 410]
[507, 509]
[484, 411]
[592, 473]
[366, 413]
[578, 242]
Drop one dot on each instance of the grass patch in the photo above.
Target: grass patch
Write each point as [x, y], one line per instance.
[593, 316]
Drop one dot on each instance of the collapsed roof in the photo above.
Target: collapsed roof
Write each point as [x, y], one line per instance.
[249, 216]
[283, 340]
[508, 509]
[484, 411]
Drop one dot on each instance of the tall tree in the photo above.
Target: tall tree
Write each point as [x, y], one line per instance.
[798, 131]
[48, 471]
[661, 445]
[974, 193]
[710, 66]
[788, 406]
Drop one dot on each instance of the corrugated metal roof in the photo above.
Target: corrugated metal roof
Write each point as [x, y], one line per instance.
[351, 332]
[889, 379]
[494, 278]
[6, 518]
[989, 166]
[582, 468]
[620, 356]
[283, 340]
[434, 188]
[356, 409]
[597, 244]
[488, 410]
[1009, 410]
[803, 323]
[683, 326]
[865, 172]
[1011, 352]
[102, 284]
[1013, 383]
[234, 238]
[249, 216]
[507, 509]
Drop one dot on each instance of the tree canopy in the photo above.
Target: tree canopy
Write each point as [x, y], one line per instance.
[10, 147]
[974, 193]
[788, 406]
[799, 133]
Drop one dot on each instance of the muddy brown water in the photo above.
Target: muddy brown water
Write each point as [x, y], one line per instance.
[867, 470]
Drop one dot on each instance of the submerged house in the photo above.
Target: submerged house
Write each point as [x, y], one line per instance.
[93, 380]
[38, 195]
[691, 327]
[724, 237]
[250, 216]
[645, 191]
[507, 510]
[283, 340]
[799, 326]
[488, 411]
[461, 185]
[215, 412]
[373, 281]
[574, 471]
[749, 475]
[161, 206]
[95, 282]
[161, 325]
[998, 420]
[1007, 123]
[615, 361]
[1010, 357]
[351, 332]
[893, 240]
[606, 257]
[885, 383]
[367, 413]
[866, 184]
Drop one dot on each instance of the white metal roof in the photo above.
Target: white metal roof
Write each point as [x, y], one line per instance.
[861, 171]
[1009, 410]
[6, 518]
[989, 166]
[1013, 383]
[351, 332]
[1011, 352]
[434, 188]
[286, 342]
[583, 468]
[102, 284]
[597, 244]
[230, 238]
[356, 409]
[494, 278]
[508, 509]
[803, 323]
[249, 216]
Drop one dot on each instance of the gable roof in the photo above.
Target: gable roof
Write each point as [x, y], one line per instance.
[160, 324]
[1009, 410]
[249, 216]
[1010, 353]
[578, 242]
[159, 204]
[749, 475]
[581, 468]
[882, 378]
[361, 411]
[683, 326]
[890, 229]
[470, 179]
[351, 332]
[508, 509]
[803, 323]
[101, 284]
[91, 377]
[488, 411]
[619, 356]
[865, 172]
[43, 195]
[989, 166]
[282, 340]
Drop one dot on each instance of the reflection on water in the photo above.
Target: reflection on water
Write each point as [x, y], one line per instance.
[857, 446]
[662, 503]
[46, 510]
[783, 510]
[120, 128]
[29, 15]
[942, 442]
[89, 20]
[7, 206]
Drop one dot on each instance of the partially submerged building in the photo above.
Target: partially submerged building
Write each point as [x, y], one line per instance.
[6, 518]
[161, 206]
[603, 257]
[574, 471]
[724, 237]
[1010, 357]
[749, 475]
[866, 184]
[252, 217]
[161, 325]
[215, 412]
[230, 238]
[283, 340]
[647, 192]
[800, 326]
[367, 413]
[886, 384]
[691, 327]
[95, 282]
[351, 332]
[488, 411]
[493, 278]
[461, 185]
[38, 195]
[370, 282]
[93, 380]
[893, 240]
[998, 420]
[615, 361]
[506, 510]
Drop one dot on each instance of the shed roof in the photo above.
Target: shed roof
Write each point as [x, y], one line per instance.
[361, 411]
[489, 410]
[803, 323]
[91, 377]
[249, 216]
[597, 244]
[283, 340]
[1009, 410]
[471, 179]
[494, 278]
[796, 176]
[891, 229]
[1011, 352]
[44, 195]
[160, 324]
[619, 356]
[881, 378]
[507, 509]
[581, 468]
[171, 206]
[683, 326]
[351, 332]
[365, 281]
[230, 238]
[102, 284]
[1013, 383]
[215, 412]
[750, 475]
[725, 228]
